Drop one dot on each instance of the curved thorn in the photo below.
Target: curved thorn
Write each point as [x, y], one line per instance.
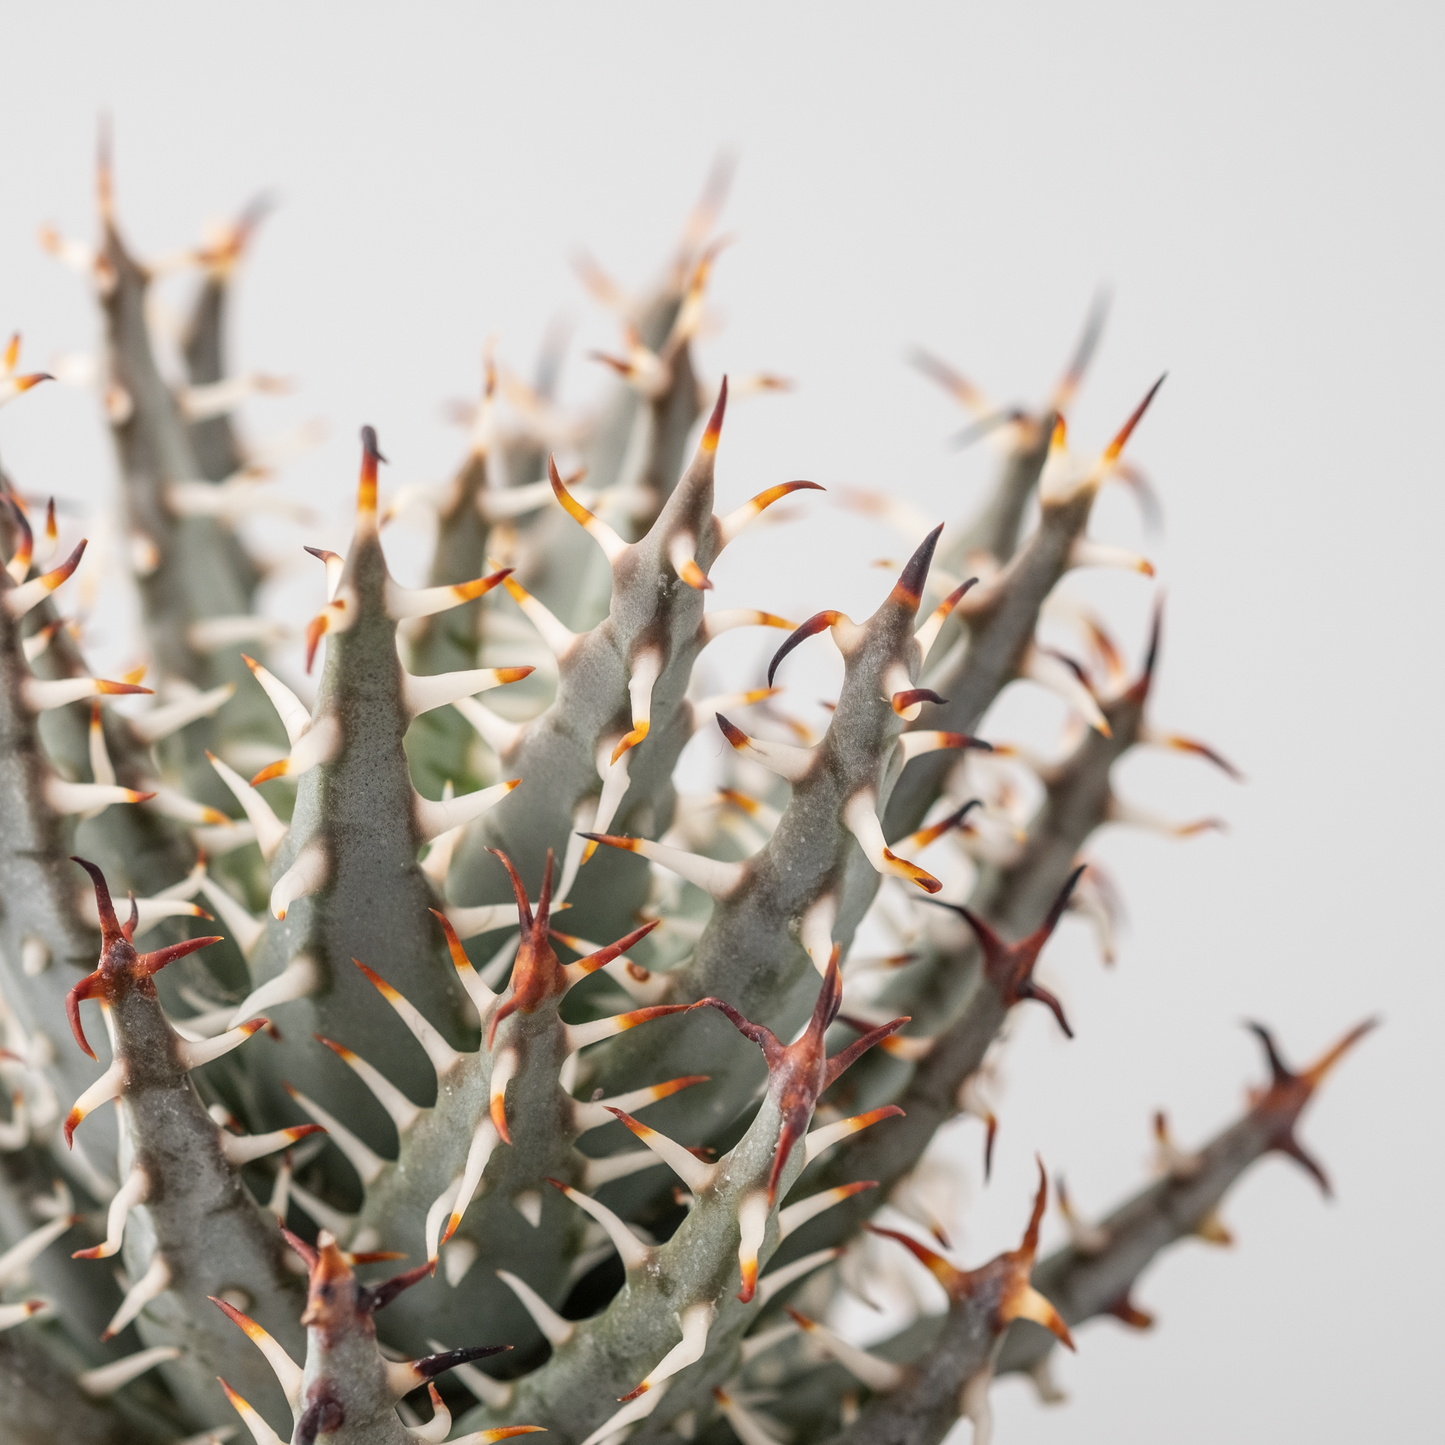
[800, 634]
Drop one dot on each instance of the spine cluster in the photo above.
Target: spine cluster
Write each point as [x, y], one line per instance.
[634, 1122]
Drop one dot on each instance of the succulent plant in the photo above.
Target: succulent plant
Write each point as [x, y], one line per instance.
[333, 1080]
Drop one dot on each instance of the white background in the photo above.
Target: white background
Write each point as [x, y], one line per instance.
[1261, 186]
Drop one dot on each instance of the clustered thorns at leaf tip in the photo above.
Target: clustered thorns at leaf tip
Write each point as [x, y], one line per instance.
[799, 1072]
[1288, 1092]
[1010, 966]
[120, 967]
[536, 973]
[1003, 1284]
[370, 863]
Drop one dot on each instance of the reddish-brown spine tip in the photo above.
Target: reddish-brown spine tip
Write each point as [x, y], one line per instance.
[750, 1282]
[147, 964]
[82, 990]
[309, 1256]
[1127, 430]
[369, 447]
[714, 422]
[815, 624]
[735, 735]
[1125, 1310]
[908, 590]
[468, 591]
[110, 928]
[902, 701]
[612, 840]
[315, 629]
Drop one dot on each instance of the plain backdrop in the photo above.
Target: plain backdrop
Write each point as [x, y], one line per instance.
[1259, 184]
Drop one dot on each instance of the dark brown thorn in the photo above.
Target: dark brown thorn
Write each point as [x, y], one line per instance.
[959, 593]
[1156, 627]
[1139, 691]
[129, 926]
[908, 590]
[844, 1059]
[1296, 1151]
[544, 898]
[1290, 1091]
[59, 574]
[369, 445]
[1009, 966]
[1030, 1244]
[1125, 1310]
[814, 625]
[377, 1296]
[524, 906]
[734, 734]
[763, 1037]
[1029, 989]
[906, 699]
[88, 987]
[1111, 452]
[1060, 903]
[830, 995]
[1203, 750]
[603, 956]
[25, 543]
[430, 1366]
[986, 936]
[324, 1415]
[1072, 663]
[308, 1254]
[954, 1280]
[788, 1135]
[147, 964]
[956, 819]
[1280, 1072]
[110, 928]
[990, 1134]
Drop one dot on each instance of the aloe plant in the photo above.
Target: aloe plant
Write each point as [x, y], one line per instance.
[441, 994]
